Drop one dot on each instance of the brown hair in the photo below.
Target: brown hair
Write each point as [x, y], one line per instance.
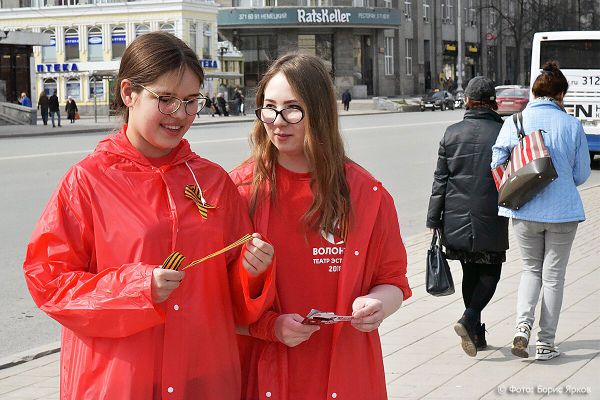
[149, 57]
[491, 104]
[551, 82]
[323, 145]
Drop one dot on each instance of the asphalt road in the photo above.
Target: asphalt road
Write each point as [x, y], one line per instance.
[398, 149]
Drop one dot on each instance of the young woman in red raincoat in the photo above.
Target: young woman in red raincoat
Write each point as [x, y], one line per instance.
[133, 330]
[338, 245]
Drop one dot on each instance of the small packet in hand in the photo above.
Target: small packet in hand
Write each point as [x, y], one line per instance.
[316, 317]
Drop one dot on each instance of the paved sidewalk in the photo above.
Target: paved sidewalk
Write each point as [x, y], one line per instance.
[423, 359]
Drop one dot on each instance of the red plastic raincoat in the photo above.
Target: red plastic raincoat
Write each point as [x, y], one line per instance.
[356, 367]
[112, 220]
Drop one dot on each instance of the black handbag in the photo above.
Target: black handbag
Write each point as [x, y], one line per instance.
[528, 170]
[438, 278]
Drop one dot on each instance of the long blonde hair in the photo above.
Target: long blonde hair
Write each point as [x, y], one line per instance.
[323, 145]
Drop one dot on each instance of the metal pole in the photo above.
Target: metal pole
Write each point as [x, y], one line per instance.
[459, 67]
[93, 78]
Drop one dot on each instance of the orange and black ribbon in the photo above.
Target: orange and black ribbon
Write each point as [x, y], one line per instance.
[175, 259]
[194, 193]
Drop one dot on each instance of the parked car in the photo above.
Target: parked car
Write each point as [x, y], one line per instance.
[441, 100]
[511, 98]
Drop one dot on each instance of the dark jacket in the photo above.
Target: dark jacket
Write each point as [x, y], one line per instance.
[43, 102]
[464, 199]
[346, 97]
[71, 109]
[53, 105]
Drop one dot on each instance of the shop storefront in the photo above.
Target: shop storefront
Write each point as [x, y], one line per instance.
[472, 61]
[448, 74]
[16, 55]
[354, 42]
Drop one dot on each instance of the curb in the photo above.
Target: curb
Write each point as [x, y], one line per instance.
[29, 355]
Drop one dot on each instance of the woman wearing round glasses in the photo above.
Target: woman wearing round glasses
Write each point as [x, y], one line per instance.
[338, 245]
[131, 329]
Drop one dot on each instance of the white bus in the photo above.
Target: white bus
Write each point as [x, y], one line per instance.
[578, 54]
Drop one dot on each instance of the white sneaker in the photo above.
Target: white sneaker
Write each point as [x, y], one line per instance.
[545, 351]
[521, 340]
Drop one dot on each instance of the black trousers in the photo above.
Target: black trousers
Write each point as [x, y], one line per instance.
[479, 284]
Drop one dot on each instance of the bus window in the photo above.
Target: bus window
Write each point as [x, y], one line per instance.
[569, 53]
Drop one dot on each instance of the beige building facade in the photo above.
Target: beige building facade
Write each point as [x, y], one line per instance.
[88, 40]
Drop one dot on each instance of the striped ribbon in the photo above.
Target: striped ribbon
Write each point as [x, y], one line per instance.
[194, 193]
[175, 259]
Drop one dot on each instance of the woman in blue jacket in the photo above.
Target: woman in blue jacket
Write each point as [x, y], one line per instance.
[545, 226]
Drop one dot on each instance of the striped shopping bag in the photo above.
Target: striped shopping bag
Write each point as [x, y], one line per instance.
[528, 170]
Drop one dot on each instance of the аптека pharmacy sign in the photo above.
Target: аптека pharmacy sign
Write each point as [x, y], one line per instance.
[307, 16]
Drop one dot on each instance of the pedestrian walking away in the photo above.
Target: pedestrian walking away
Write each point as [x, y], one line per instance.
[346, 99]
[545, 226]
[338, 245]
[71, 109]
[141, 200]
[43, 106]
[54, 108]
[464, 206]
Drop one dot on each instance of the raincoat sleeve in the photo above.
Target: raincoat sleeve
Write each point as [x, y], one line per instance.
[61, 274]
[251, 296]
[392, 260]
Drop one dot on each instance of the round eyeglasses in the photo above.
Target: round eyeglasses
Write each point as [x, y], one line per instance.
[169, 105]
[291, 115]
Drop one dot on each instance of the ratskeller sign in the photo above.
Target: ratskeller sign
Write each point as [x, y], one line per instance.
[296, 16]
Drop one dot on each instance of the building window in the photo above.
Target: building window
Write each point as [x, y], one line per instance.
[206, 48]
[426, 10]
[387, 3]
[389, 56]
[119, 42]
[306, 44]
[74, 88]
[97, 88]
[324, 50]
[409, 64]
[141, 30]
[363, 3]
[472, 14]
[50, 86]
[169, 28]
[71, 44]
[448, 11]
[95, 44]
[193, 33]
[408, 10]
[493, 19]
[49, 52]
[259, 52]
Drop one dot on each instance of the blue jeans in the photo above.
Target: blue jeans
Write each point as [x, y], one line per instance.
[52, 116]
